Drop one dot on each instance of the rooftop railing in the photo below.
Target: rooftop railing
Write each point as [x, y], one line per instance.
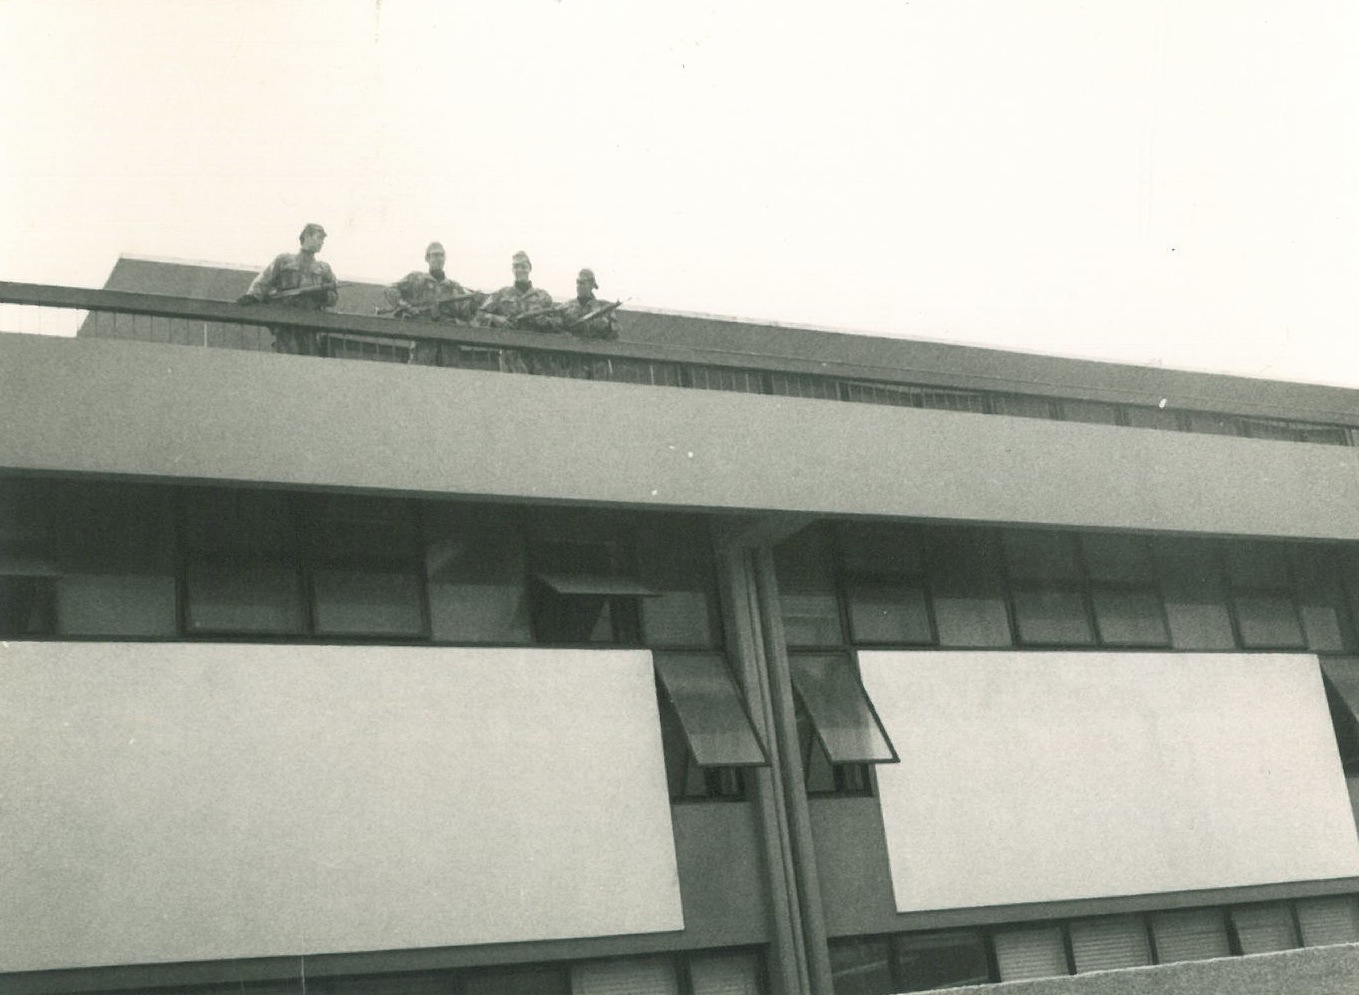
[220, 324]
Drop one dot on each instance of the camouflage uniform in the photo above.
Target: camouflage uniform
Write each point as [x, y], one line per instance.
[421, 294]
[289, 271]
[602, 327]
[511, 302]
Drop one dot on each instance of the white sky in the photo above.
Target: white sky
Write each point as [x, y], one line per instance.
[1137, 180]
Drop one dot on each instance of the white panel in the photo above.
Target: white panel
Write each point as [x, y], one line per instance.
[172, 801]
[1030, 777]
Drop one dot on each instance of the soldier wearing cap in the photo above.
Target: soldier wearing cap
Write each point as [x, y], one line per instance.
[434, 296]
[521, 305]
[576, 316]
[299, 270]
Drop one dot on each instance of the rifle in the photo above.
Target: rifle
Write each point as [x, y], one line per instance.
[433, 306]
[598, 312]
[541, 312]
[295, 292]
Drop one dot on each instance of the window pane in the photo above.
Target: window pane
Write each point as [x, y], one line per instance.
[261, 599]
[116, 605]
[1195, 598]
[710, 709]
[725, 974]
[241, 521]
[675, 558]
[1129, 618]
[1262, 928]
[817, 771]
[1194, 934]
[1052, 617]
[1268, 621]
[634, 976]
[27, 606]
[807, 595]
[1328, 920]
[941, 960]
[886, 612]
[1041, 555]
[861, 966]
[966, 589]
[410, 983]
[475, 573]
[1030, 953]
[367, 602]
[1320, 598]
[829, 687]
[1106, 944]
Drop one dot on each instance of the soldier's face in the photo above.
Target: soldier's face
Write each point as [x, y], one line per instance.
[313, 241]
[521, 271]
[583, 288]
[435, 258]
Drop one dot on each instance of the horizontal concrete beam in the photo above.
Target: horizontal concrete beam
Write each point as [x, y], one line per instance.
[159, 412]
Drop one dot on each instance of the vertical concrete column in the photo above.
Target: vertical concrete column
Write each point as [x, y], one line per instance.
[779, 674]
[745, 642]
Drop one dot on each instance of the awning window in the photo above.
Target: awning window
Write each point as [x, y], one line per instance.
[845, 722]
[601, 585]
[711, 710]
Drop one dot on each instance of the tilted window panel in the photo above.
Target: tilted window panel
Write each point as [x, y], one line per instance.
[1030, 953]
[1264, 928]
[862, 966]
[1191, 934]
[926, 961]
[710, 708]
[1329, 920]
[845, 722]
[1108, 943]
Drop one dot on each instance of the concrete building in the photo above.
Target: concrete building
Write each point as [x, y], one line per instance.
[723, 659]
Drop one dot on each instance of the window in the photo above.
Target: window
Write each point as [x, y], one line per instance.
[1263, 928]
[1192, 934]
[807, 590]
[1341, 675]
[707, 732]
[735, 972]
[953, 959]
[884, 580]
[676, 562]
[838, 731]
[475, 574]
[1047, 589]
[967, 587]
[1031, 952]
[862, 966]
[1124, 591]
[1262, 596]
[271, 564]
[1325, 921]
[1195, 596]
[1110, 942]
[582, 592]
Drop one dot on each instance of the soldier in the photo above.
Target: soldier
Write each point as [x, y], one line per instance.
[434, 297]
[431, 295]
[520, 305]
[281, 281]
[583, 316]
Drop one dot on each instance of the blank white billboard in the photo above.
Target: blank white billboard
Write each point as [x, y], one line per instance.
[1042, 776]
[171, 802]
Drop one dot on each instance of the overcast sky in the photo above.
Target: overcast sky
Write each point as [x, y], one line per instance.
[1142, 181]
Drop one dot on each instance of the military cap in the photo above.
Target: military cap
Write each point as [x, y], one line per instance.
[312, 227]
[432, 246]
[588, 274]
[522, 257]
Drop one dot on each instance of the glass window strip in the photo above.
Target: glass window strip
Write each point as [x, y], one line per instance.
[711, 710]
[846, 724]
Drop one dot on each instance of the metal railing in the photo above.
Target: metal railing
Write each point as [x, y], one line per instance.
[221, 324]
